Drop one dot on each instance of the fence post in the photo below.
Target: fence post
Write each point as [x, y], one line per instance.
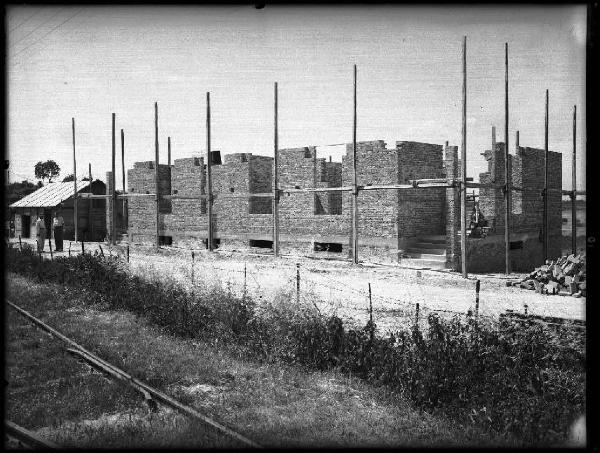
[244, 280]
[101, 251]
[372, 329]
[69, 248]
[20, 244]
[297, 283]
[477, 286]
[417, 315]
[82, 247]
[128, 253]
[193, 267]
[50, 246]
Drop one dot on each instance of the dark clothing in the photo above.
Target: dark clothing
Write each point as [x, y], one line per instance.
[58, 238]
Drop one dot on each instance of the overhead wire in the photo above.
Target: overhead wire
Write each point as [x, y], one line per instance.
[17, 26]
[12, 46]
[59, 25]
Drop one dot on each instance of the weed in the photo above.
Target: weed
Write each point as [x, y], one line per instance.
[524, 381]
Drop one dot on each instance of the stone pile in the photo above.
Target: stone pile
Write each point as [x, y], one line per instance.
[565, 276]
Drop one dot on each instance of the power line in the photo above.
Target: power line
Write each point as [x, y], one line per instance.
[59, 25]
[14, 28]
[36, 28]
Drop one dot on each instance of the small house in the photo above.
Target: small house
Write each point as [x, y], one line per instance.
[91, 213]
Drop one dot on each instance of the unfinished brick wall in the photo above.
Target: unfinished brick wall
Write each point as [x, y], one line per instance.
[527, 206]
[387, 218]
[378, 210]
[329, 174]
[188, 222]
[422, 211]
[452, 209]
[241, 217]
[142, 210]
[308, 217]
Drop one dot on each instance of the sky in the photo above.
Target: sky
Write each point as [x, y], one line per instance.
[87, 62]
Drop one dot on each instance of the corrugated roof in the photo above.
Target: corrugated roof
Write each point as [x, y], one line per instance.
[50, 195]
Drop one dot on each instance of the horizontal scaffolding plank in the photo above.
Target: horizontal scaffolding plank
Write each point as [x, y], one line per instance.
[318, 189]
[183, 197]
[90, 195]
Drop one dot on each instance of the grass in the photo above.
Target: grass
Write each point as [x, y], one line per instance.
[276, 405]
[521, 381]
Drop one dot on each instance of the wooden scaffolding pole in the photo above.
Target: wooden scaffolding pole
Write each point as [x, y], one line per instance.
[208, 176]
[545, 229]
[156, 175]
[506, 167]
[125, 220]
[90, 225]
[113, 234]
[463, 185]
[574, 186]
[355, 186]
[74, 182]
[169, 151]
[275, 180]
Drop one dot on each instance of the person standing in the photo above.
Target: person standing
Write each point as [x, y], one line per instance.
[40, 233]
[57, 225]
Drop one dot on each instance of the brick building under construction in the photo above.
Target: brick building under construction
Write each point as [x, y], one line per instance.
[415, 226]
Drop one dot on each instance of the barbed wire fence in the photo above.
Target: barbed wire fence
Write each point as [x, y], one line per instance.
[330, 296]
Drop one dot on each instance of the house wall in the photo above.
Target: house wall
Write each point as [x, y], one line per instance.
[142, 210]
[527, 207]
[388, 219]
[91, 216]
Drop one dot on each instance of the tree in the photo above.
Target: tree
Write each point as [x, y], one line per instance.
[47, 170]
[71, 178]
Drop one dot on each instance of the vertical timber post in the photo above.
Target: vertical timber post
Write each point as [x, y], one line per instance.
[113, 233]
[574, 194]
[275, 179]
[169, 151]
[493, 138]
[208, 176]
[156, 175]
[74, 183]
[297, 283]
[546, 182]
[355, 185]
[506, 167]
[477, 287]
[371, 327]
[125, 219]
[463, 164]
[90, 202]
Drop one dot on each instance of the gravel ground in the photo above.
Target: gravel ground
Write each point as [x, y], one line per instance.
[336, 286]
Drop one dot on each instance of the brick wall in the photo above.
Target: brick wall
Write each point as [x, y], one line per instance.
[527, 171]
[188, 222]
[452, 209]
[421, 211]
[142, 210]
[387, 218]
[310, 217]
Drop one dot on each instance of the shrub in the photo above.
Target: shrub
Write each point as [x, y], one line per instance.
[523, 380]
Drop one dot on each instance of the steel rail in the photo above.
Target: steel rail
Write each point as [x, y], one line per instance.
[136, 383]
[25, 436]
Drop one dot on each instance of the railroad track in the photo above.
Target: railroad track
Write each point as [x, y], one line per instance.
[152, 396]
[27, 438]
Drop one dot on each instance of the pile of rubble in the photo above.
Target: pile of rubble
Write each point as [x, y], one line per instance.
[564, 276]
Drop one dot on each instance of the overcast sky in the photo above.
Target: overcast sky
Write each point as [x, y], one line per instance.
[88, 62]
